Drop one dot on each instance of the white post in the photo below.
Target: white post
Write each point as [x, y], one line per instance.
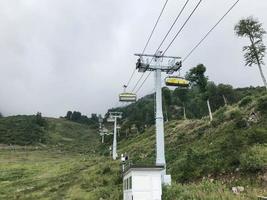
[114, 150]
[103, 138]
[210, 113]
[160, 153]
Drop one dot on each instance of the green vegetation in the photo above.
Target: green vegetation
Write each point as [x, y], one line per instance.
[23, 130]
[204, 158]
[69, 165]
[186, 103]
[50, 132]
[230, 150]
[76, 116]
[27, 174]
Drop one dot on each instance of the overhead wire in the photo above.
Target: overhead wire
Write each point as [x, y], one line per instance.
[165, 37]
[182, 27]
[155, 26]
[180, 30]
[149, 38]
[176, 19]
[143, 82]
[199, 43]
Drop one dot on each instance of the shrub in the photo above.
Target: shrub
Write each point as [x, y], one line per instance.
[262, 104]
[106, 170]
[258, 136]
[219, 116]
[234, 114]
[241, 123]
[203, 190]
[255, 159]
[245, 101]
[190, 167]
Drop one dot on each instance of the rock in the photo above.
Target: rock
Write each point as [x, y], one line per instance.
[238, 189]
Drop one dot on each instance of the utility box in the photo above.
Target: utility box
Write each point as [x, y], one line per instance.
[142, 183]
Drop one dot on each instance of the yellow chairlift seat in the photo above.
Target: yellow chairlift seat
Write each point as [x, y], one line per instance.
[127, 97]
[177, 81]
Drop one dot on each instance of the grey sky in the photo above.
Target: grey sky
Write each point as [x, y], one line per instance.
[59, 55]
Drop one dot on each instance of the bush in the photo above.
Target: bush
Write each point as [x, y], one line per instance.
[219, 116]
[21, 130]
[258, 136]
[234, 114]
[262, 104]
[106, 170]
[255, 159]
[198, 191]
[245, 101]
[241, 123]
[190, 167]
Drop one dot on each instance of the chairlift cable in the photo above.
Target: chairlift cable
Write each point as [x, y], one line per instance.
[155, 26]
[180, 30]
[169, 44]
[199, 43]
[150, 36]
[176, 19]
[143, 82]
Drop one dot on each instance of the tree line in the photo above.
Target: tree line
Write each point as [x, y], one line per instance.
[178, 104]
[78, 117]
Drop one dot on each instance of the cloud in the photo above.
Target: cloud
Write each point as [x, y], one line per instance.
[76, 55]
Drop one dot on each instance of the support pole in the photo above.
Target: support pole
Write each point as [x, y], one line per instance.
[103, 140]
[160, 153]
[114, 149]
[210, 113]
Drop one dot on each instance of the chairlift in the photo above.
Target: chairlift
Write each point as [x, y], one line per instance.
[177, 81]
[127, 96]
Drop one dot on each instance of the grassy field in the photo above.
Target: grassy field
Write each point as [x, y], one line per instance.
[42, 174]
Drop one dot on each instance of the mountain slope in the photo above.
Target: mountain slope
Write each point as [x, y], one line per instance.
[205, 159]
[232, 149]
[59, 133]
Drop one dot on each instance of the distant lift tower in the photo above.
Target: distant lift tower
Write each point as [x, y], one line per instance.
[100, 121]
[113, 116]
[159, 63]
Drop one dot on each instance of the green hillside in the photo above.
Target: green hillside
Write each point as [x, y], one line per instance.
[65, 165]
[205, 159]
[232, 150]
[53, 133]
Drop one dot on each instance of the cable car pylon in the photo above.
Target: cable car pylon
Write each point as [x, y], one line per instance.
[158, 65]
[113, 116]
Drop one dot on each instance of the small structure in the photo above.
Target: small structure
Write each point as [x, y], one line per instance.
[142, 183]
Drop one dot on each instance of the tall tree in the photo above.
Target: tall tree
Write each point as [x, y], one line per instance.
[76, 116]
[227, 92]
[197, 77]
[68, 116]
[255, 52]
[181, 95]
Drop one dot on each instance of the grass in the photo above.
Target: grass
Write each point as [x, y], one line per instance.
[52, 175]
[205, 159]
[207, 190]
